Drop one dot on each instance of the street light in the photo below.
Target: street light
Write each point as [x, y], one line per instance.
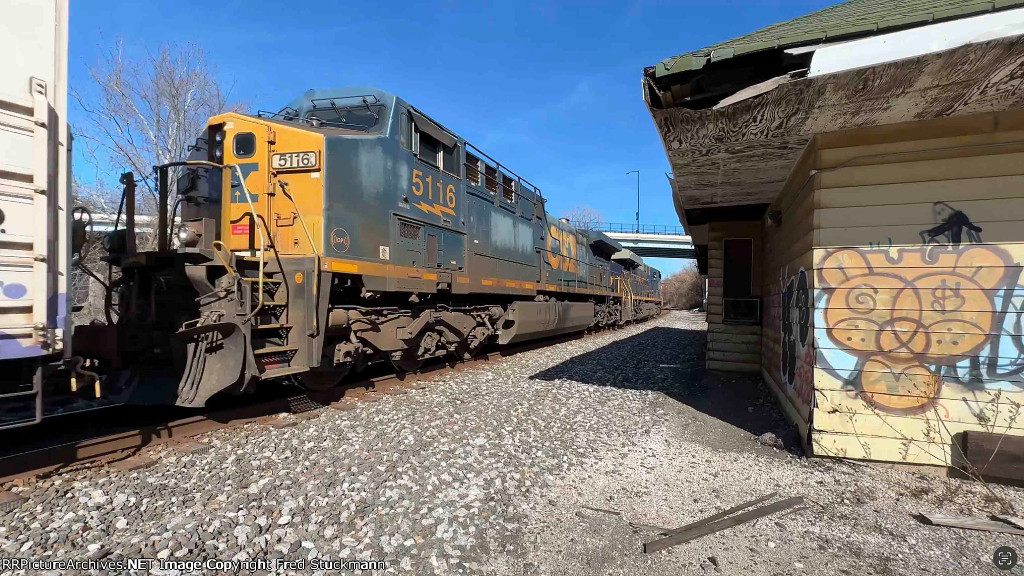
[637, 172]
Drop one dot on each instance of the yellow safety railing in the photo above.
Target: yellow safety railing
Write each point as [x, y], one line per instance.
[264, 239]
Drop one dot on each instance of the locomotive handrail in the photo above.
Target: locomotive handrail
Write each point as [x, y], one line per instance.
[501, 166]
[483, 181]
[263, 245]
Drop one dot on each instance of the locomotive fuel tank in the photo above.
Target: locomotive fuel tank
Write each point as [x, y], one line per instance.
[532, 320]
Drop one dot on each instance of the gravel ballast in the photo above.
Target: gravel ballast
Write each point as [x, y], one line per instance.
[497, 469]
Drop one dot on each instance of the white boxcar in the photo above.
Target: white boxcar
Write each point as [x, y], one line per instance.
[34, 174]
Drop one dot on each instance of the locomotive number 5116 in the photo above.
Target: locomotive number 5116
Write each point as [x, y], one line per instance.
[293, 161]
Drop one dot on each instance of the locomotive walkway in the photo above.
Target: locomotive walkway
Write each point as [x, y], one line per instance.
[496, 469]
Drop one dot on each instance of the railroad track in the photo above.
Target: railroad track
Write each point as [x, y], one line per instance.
[124, 448]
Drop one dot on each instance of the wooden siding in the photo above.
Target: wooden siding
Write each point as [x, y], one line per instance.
[787, 352]
[729, 346]
[917, 300]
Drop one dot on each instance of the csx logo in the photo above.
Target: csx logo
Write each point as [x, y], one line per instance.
[563, 250]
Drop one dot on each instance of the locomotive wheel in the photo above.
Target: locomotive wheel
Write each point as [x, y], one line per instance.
[323, 379]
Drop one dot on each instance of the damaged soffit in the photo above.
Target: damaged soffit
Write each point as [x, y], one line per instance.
[733, 128]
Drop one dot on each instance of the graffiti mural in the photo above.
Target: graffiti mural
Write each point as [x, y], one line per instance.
[916, 317]
[797, 358]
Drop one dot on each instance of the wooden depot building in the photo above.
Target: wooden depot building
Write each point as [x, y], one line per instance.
[853, 181]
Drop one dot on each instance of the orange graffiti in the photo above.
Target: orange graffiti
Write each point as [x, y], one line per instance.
[926, 305]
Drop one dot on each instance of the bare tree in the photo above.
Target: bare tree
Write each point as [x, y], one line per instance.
[143, 111]
[584, 217]
[684, 289]
[137, 111]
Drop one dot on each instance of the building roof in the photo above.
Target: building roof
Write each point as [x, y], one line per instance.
[855, 18]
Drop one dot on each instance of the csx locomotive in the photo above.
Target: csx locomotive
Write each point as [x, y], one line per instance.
[346, 229]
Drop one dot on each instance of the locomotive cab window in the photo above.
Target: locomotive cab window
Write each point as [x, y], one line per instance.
[245, 145]
[406, 131]
[450, 159]
[428, 149]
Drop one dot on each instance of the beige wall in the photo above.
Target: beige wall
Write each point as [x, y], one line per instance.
[910, 240]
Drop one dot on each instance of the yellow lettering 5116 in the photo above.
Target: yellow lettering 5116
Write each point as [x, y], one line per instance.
[417, 182]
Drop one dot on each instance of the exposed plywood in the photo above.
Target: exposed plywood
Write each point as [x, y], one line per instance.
[743, 153]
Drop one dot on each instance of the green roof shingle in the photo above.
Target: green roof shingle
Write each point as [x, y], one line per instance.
[852, 18]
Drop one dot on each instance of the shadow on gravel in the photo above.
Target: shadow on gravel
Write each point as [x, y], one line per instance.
[671, 361]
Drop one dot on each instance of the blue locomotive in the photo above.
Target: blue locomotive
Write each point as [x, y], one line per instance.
[346, 229]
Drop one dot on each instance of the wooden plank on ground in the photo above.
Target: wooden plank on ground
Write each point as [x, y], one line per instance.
[1018, 522]
[969, 523]
[723, 513]
[720, 525]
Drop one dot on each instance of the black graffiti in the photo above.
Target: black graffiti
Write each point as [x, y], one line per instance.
[953, 224]
[796, 323]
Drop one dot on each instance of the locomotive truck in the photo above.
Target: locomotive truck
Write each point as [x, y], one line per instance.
[346, 229]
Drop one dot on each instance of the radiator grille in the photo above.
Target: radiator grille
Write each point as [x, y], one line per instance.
[410, 231]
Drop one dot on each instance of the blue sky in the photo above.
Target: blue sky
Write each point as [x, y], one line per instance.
[550, 89]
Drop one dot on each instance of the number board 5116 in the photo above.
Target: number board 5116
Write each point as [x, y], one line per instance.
[294, 161]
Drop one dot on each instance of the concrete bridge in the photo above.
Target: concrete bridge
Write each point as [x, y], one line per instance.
[651, 241]
[656, 245]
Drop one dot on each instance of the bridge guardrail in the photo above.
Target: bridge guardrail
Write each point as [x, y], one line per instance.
[624, 228]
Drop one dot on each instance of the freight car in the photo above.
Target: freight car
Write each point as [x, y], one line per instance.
[35, 227]
[346, 229]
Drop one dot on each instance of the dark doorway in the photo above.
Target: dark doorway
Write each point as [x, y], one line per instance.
[737, 272]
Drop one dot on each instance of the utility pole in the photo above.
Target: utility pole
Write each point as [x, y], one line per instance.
[637, 172]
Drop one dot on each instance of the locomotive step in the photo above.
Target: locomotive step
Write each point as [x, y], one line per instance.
[272, 326]
[285, 371]
[274, 350]
[265, 280]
